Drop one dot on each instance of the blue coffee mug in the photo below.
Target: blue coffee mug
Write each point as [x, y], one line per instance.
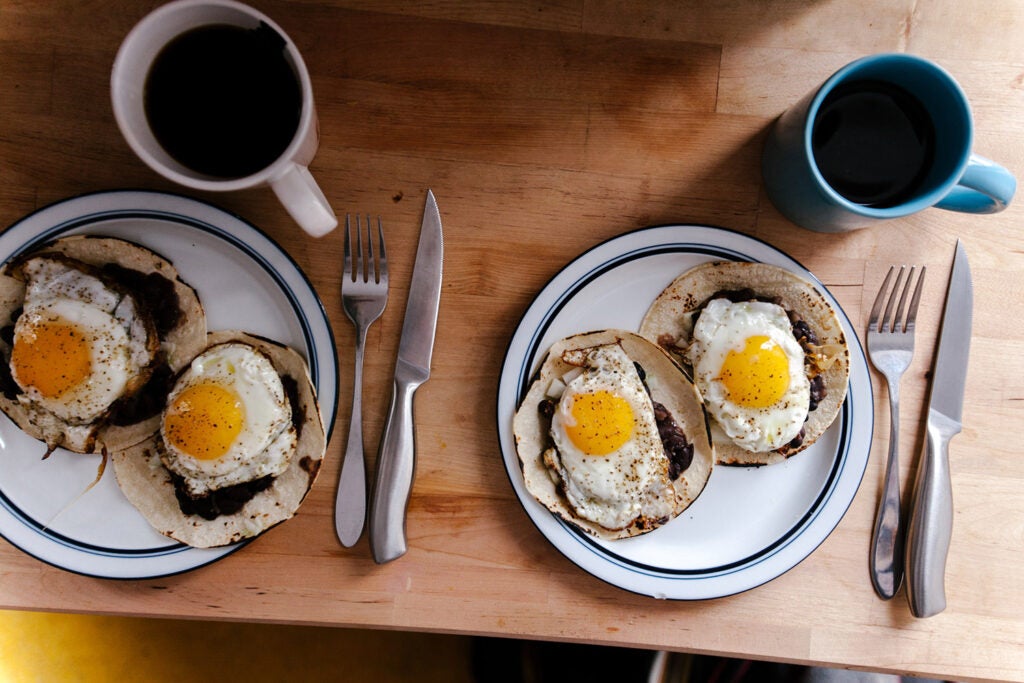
[949, 177]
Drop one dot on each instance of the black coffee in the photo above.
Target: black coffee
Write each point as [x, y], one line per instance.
[873, 142]
[223, 100]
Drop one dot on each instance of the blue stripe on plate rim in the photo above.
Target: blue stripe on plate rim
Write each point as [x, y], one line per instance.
[567, 295]
[257, 257]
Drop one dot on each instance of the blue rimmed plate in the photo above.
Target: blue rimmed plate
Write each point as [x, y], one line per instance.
[750, 525]
[245, 281]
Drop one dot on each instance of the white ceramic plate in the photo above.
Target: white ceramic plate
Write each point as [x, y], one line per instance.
[749, 525]
[245, 281]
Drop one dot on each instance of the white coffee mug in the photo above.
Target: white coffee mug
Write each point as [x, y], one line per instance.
[288, 175]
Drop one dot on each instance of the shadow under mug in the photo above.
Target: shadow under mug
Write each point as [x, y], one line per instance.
[288, 175]
[955, 179]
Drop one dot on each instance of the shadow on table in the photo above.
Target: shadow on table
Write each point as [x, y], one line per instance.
[516, 661]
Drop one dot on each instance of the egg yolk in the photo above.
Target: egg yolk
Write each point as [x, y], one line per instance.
[757, 375]
[602, 422]
[203, 420]
[52, 357]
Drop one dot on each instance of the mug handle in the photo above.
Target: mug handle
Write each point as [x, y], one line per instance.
[304, 200]
[985, 187]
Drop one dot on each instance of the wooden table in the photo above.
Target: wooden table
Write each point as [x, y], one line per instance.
[543, 129]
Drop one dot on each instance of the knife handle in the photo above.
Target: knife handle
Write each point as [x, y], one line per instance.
[396, 463]
[931, 522]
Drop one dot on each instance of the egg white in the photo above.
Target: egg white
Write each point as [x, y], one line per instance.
[612, 490]
[724, 326]
[266, 442]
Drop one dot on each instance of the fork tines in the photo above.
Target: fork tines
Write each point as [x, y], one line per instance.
[887, 322]
[369, 267]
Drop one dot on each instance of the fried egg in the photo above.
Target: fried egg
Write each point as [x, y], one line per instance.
[227, 421]
[607, 452]
[79, 345]
[750, 370]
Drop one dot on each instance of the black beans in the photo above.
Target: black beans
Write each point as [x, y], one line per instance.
[640, 370]
[291, 390]
[818, 391]
[225, 501]
[147, 401]
[746, 294]
[678, 449]
[797, 440]
[154, 293]
[643, 376]
[546, 408]
[804, 334]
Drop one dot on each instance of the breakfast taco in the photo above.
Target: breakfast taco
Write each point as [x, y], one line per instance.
[766, 351]
[611, 436]
[240, 443]
[91, 330]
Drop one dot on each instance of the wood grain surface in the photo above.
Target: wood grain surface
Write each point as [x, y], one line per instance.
[544, 128]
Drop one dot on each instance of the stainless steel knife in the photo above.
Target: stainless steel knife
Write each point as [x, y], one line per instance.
[396, 459]
[931, 516]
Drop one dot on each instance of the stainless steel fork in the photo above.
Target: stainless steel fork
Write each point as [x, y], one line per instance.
[364, 294]
[891, 348]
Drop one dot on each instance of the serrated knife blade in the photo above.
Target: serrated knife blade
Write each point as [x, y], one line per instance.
[396, 457]
[931, 517]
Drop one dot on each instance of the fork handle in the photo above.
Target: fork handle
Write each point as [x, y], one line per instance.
[350, 503]
[396, 462]
[931, 522]
[888, 540]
